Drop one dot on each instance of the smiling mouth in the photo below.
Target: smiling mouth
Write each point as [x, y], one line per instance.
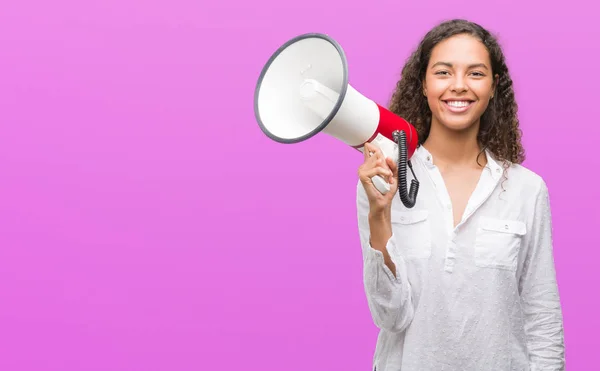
[458, 105]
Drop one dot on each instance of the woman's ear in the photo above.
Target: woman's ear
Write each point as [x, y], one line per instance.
[495, 85]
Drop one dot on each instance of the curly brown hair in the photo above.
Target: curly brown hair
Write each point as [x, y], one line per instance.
[499, 128]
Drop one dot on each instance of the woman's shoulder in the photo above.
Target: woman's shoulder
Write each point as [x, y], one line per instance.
[530, 182]
[525, 173]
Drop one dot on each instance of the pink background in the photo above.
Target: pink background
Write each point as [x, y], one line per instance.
[147, 224]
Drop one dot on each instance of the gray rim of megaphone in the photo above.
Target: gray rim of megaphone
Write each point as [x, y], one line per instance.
[335, 109]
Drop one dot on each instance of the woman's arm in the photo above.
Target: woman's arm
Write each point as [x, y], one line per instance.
[539, 292]
[380, 232]
[387, 288]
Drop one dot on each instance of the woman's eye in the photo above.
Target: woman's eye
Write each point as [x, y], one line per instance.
[441, 72]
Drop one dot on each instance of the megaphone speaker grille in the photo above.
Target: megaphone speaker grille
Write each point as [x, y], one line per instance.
[279, 108]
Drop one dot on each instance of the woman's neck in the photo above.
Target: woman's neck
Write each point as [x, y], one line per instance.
[455, 149]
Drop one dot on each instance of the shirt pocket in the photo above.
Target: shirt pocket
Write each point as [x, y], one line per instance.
[413, 233]
[497, 243]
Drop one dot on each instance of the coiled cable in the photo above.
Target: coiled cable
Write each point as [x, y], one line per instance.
[408, 198]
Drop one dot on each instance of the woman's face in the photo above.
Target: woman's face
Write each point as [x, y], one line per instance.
[459, 82]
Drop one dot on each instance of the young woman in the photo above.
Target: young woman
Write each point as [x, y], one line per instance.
[464, 280]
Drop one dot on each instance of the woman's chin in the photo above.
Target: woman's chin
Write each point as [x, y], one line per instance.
[458, 125]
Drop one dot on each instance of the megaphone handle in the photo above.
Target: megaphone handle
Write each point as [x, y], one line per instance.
[382, 186]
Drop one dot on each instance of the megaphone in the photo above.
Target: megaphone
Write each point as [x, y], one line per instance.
[303, 90]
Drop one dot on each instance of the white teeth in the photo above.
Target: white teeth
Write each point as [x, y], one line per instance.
[458, 104]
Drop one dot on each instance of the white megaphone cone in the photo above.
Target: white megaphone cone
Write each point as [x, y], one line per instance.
[303, 90]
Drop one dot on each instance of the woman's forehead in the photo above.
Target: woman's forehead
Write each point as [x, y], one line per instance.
[463, 50]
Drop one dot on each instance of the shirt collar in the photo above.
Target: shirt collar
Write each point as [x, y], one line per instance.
[493, 166]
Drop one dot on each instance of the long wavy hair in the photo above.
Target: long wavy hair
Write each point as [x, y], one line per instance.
[499, 127]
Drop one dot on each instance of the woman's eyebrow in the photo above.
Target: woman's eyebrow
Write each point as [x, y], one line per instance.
[448, 64]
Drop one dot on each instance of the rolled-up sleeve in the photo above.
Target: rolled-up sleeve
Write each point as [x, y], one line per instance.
[539, 292]
[389, 296]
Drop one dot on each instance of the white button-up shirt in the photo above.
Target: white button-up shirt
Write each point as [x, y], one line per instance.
[479, 297]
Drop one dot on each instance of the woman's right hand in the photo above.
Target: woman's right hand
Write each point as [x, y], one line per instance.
[377, 164]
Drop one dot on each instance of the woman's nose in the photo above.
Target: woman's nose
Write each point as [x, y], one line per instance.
[459, 85]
